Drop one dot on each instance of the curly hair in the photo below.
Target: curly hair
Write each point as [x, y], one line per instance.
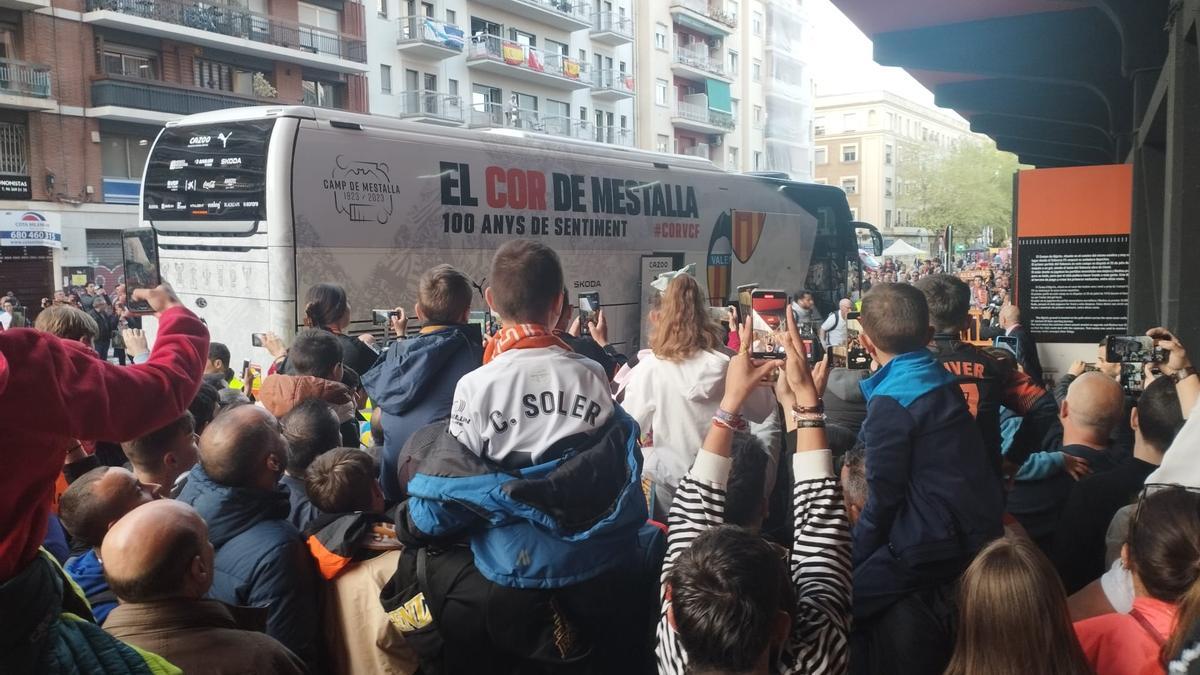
[683, 326]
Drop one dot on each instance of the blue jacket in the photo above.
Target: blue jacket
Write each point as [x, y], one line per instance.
[302, 511]
[550, 525]
[413, 384]
[261, 559]
[88, 573]
[933, 497]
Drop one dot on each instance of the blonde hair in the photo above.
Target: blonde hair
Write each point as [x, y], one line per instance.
[67, 322]
[683, 326]
[1013, 617]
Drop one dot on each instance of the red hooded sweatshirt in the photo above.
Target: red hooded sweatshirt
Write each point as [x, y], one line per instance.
[53, 392]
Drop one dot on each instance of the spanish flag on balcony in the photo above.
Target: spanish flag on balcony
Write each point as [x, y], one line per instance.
[571, 68]
[513, 53]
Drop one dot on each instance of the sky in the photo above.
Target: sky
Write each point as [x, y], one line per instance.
[840, 56]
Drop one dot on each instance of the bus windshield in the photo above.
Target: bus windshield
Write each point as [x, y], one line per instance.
[209, 172]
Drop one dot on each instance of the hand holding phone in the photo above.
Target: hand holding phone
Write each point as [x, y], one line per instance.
[256, 339]
[139, 255]
[767, 313]
[1131, 349]
[589, 303]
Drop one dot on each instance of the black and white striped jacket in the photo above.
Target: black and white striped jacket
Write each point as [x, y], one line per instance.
[820, 561]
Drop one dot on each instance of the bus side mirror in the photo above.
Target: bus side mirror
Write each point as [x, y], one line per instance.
[876, 237]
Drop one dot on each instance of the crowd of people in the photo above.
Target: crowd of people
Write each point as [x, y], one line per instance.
[536, 501]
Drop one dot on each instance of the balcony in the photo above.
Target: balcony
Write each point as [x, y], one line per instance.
[431, 107]
[695, 63]
[496, 116]
[233, 29]
[701, 150]
[612, 28]
[611, 85]
[495, 55]
[426, 38]
[130, 99]
[25, 86]
[25, 5]
[561, 14]
[697, 116]
[709, 18]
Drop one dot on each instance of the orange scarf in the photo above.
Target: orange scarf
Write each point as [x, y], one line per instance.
[521, 336]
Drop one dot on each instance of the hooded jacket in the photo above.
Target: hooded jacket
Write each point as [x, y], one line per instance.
[54, 392]
[280, 393]
[261, 559]
[413, 384]
[565, 520]
[357, 554]
[933, 499]
[673, 402]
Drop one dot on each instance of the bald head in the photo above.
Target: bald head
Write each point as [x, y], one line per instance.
[157, 551]
[845, 305]
[244, 447]
[1094, 406]
[1010, 315]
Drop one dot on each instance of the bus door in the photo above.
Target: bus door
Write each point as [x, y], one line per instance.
[652, 266]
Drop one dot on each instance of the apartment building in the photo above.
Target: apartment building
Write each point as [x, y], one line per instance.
[86, 84]
[789, 91]
[861, 139]
[559, 67]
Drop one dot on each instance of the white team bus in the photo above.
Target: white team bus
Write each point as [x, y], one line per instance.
[253, 206]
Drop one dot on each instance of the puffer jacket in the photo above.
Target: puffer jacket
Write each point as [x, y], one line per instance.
[261, 558]
[568, 519]
[413, 384]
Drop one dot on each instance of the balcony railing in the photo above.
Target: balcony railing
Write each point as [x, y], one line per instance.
[613, 22]
[712, 10]
[612, 79]
[432, 32]
[240, 23]
[698, 150]
[703, 115]
[24, 79]
[613, 135]
[426, 103]
[699, 60]
[494, 48]
[496, 115]
[500, 115]
[163, 97]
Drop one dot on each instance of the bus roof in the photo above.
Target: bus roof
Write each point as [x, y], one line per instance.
[365, 122]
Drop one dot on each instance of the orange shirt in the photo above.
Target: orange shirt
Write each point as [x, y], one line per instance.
[1118, 644]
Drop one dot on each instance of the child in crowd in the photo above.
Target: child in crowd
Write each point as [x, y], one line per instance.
[315, 360]
[540, 474]
[933, 499]
[413, 385]
[356, 551]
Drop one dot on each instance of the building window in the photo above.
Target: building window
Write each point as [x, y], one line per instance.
[326, 40]
[452, 87]
[850, 122]
[734, 165]
[887, 153]
[662, 143]
[385, 78]
[733, 62]
[819, 126]
[887, 218]
[757, 111]
[381, 7]
[821, 155]
[850, 184]
[887, 187]
[222, 77]
[660, 36]
[850, 153]
[123, 155]
[14, 156]
[660, 92]
[758, 161]
[452, 17]
[756, 70]
[731, 7]
[323, 94]
[130, 62]
[756, 23]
